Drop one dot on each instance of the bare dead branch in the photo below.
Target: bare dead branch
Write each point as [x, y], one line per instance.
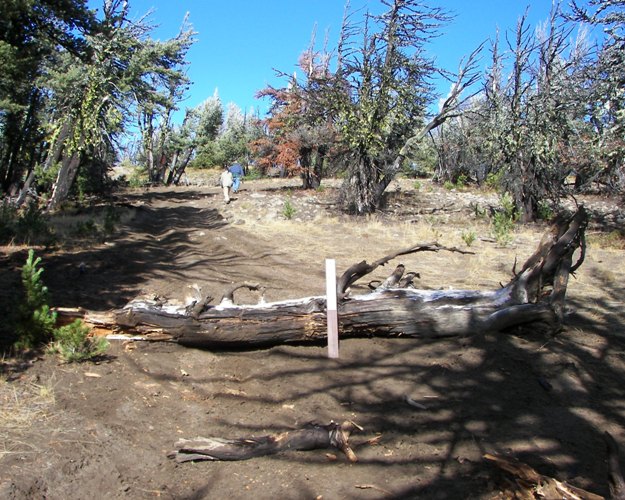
[311, 437]
[357, 271]
[228, 296]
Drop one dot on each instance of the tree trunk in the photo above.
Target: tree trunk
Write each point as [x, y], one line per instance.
[65, 179]
[20, 144]
[318, 166]
[360, 193]
[180, 165]
[535, 295]
[54, 153]
[146, 126]
[311, 161]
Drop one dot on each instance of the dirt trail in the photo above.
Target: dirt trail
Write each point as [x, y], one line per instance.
[103, 430]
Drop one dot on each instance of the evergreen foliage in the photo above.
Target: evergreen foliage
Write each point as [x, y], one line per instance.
[503, 220]
[73, 84]
[36, 322]
[551, 105]
[74, 344]
[28, 225]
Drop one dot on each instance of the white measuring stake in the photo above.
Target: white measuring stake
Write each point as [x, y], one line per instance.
[332, 313]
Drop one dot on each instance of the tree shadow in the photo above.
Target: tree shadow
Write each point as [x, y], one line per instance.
[544, 400]
[109, 275]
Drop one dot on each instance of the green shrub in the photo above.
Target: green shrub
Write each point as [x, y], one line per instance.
[468, 237]
[502, 228]
[502, 222]
[73, 343]
[32, 226]
[479, 212]
[85, 229]
[448, 185]
[288, 210]
[8, 221]
[462, 181]
[27, 226]
[46, 177]
[545, 211]
[35, 320]
[253, 174]
[138, 177]
[111, 218]
[493, 179]
[416, 185]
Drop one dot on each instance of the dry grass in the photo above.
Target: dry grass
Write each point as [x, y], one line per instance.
[613, 240]
[11, 248]
[371, 238]
[21, 407]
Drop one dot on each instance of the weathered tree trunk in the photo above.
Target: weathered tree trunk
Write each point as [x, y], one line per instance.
[535, 295]
[178, 165]
[65, 179]
[311, 161]
[54, 154]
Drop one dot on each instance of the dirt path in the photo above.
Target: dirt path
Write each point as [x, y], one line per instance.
[103, 430]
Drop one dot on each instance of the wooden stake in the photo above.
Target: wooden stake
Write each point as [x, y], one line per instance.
[331, 307]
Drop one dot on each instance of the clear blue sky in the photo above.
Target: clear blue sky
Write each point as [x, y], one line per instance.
[240, 42]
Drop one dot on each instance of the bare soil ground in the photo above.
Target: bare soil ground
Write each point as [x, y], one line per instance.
[103, 429]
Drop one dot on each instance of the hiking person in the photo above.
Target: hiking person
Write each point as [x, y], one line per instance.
[237, 173]
[225, 180]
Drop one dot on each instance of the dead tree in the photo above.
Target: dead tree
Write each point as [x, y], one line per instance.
[536, 294]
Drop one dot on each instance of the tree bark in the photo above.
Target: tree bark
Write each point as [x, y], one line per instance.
[54, 154]
[65, 179]
[534, 295]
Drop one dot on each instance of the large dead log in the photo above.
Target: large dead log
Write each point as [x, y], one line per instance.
[535, 294]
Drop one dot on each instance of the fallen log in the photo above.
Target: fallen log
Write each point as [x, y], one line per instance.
[311, 437]
[535, 294]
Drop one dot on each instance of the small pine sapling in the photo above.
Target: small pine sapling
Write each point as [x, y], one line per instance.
[36, 322]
